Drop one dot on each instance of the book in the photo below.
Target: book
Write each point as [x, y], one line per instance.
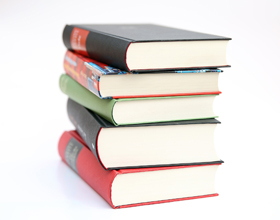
[146, 145]
[146, 47]
[109, 82]
[140, 110]
[135, 187]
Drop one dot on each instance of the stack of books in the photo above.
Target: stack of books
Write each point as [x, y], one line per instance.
[141, 100]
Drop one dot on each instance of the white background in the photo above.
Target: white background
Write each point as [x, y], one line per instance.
[36, 184]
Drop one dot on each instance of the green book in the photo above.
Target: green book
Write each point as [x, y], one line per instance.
[140, 110]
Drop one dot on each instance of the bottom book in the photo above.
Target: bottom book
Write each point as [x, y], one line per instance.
[134, 187]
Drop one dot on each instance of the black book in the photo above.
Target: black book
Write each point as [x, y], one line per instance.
[146, 47]
[146, 145]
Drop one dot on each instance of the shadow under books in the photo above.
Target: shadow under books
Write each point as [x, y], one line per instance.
[76, 189]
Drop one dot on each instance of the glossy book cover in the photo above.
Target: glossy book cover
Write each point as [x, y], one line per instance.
[87, 72]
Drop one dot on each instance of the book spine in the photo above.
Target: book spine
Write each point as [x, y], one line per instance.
[97, 45]
[77, 70]
[75, 154]
[85, 124]
[84, 97]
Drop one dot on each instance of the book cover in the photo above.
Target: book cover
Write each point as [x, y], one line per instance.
[75, 153]
[88, 72]
[109, 43]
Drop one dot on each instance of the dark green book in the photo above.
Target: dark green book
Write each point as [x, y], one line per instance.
[140, 110]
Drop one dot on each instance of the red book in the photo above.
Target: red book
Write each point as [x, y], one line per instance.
[134, 187]
[109, 82]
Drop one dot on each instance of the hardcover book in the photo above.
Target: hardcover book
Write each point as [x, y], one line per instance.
[134, 187]
[140, 110]
[146, 47]
[109, 82]
[146, 145]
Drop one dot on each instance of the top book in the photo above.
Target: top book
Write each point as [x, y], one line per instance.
[146, 47]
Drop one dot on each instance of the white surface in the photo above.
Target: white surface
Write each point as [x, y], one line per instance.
[35, 184]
